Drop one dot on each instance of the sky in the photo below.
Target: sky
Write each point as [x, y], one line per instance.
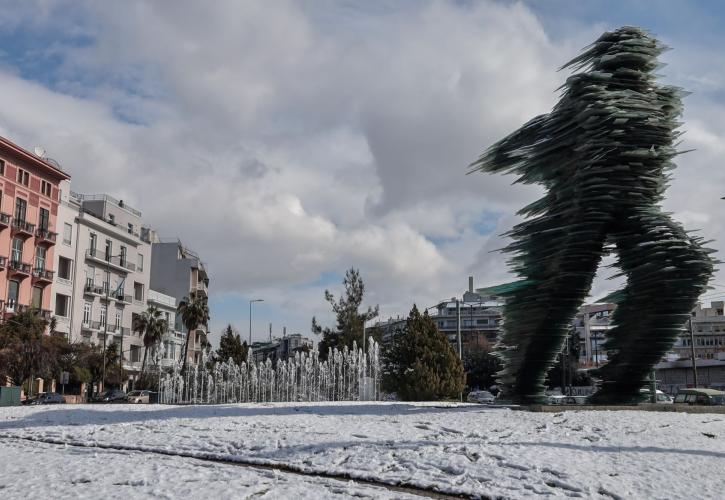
[288, 141]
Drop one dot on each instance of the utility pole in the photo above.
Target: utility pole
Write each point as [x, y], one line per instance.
[692, 352]
[458, 330]
[250, 319]
[105, 323]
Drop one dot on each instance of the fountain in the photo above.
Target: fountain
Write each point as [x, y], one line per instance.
[346, 375]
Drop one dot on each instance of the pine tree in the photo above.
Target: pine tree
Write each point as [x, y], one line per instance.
[350, 322]
[232, 347]
[421, 364]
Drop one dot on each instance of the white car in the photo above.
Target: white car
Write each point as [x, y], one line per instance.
[137, 397]
[481, 397]
[662, 398]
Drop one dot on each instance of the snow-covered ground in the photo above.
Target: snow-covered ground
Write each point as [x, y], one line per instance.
[464, 449]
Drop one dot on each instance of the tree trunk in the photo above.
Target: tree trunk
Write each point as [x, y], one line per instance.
[186, 350]
[143, 365]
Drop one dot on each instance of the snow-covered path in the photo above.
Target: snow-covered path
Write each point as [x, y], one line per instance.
[463, 449]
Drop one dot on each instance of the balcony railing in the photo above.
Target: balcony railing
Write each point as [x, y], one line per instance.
[44, 275]
[5, 219]
[12, 306]
[122, 297]
[93, 289]
[43, 313]
[91, 325]
[45, 236]
[23, 227]
[116, 262]
[19, 267]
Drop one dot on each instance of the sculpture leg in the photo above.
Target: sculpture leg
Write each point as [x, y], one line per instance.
[666, 272]
[558, 257]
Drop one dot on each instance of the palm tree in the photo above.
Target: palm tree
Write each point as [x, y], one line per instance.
[152, 326]
[194, 312]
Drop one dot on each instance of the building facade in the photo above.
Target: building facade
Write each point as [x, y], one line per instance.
[591, 324]
[29, 200]
[179, 272]
[481, 314]
[280, 349]
[104, 273]
[708, 330]
[172, 343]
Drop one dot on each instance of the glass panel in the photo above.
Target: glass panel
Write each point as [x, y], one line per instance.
[17, 253]
[13, 290]
[20, 208]
[44, 220]
[40, 257]
[37, 301]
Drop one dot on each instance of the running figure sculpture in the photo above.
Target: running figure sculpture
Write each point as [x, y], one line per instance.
[603, 154]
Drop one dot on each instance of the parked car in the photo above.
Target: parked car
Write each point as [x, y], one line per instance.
[138, 397]
[700, 397]
[662, 398]
[481, 397]
[48, 398]
[110, 396]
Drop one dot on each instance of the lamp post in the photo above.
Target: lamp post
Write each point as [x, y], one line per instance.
[105, 323]
[250, 319]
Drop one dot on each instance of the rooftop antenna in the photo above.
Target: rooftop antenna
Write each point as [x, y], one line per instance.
[40, 152]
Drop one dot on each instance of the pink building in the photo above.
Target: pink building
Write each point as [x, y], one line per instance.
[29, 195]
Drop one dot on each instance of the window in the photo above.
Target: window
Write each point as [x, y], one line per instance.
[90, 275]
[44, 219]
[112, 219]
[130, 228]
[45, 188]
[67, 233]
[65, 267]
[17, 252]
[109, 249]
[37, 298]
[13, 292]
[118, 318]
[21, 207]
[135, 354]
[139, 262]
[23, 177]
[123, 256]
[61, 304]
[138, 291]
[40, 253]
[2, 167]
[87, 307]
[103, 315]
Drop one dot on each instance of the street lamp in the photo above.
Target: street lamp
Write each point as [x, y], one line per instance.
[105, 323]
[250, 319]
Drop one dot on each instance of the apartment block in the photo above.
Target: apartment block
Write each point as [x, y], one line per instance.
[591, 324]
[708, 331]
[103, 260]
[280, 349]
[29, 200]
[179, 272]
[172, 342]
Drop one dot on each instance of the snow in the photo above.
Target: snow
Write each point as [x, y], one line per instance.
[464, 449]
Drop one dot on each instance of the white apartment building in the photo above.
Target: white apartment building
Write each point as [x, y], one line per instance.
[172, 343]
[103, 262]
[179, 272]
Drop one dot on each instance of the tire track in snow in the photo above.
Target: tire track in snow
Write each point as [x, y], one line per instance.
[402, 487]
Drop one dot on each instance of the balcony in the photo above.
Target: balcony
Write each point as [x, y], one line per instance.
[19, 268]
[12, 307]
[43, 313]
[92, 289]
[5, 219]
[201, 289]
[23, 228]
[45, 237]
[115, 263]
[41, 275]
[3, 262]
[91, 326]
[122, 297]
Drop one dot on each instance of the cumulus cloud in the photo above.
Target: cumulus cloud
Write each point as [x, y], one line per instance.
[289, 140]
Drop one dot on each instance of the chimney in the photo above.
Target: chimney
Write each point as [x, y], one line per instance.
[470, 284]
